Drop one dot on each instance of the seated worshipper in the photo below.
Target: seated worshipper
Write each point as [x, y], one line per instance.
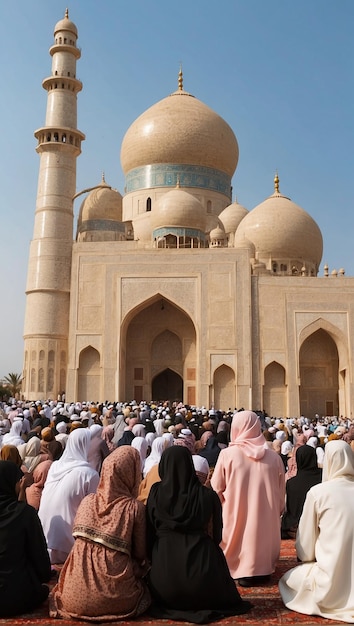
[158, 446]
[308, 474]
[62, 436]
[11, 453]
[141, 445]
[292, 467]
[249, 479]
[13, 437]
[34, 491]
[102, 579]
[98, 449]
[69, 480]
[31, 453]
[24, 560]
[189, 578]
[49, 444]
[201, 467]
[107, 436]
[323, 583]
[185, 439]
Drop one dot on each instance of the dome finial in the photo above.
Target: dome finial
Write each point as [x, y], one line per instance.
[103, 178]
[180, 78]
[67, 13]
[276, 182]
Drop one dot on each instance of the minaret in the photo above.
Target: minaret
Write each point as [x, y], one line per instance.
[49, 269]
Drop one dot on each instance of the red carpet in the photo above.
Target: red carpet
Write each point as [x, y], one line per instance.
[268, 606]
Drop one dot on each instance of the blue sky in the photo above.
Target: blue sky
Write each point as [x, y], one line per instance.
[280, 72]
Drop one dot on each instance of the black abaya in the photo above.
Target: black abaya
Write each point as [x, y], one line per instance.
[24, 559]
[189, 577]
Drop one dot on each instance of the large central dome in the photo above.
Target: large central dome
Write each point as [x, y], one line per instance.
[180, 129]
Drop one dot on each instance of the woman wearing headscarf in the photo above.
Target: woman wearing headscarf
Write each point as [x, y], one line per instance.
[180, 510]
[102, 577]
[158, 446]
[11, 453]
[211, 451]
[107, 435]
[31, 453]
[34, 491]
[13, 437]
[308, 475]
[98, 449]
[24, 561]
[69, 480]
[141, 445]
[324, 582]
[292, 467]
[249, 479]
[201, 467]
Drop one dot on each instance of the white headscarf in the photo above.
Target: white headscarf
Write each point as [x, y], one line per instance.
[158, 446]
[141, 445]
[74, 455]
[13, 437]
[338, 461]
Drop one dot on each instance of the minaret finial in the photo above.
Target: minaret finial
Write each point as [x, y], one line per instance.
[67, 13]
[103, 178]
[180, 78]
[276, 182]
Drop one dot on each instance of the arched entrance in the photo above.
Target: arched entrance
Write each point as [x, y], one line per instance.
[224, 388]
[158, 353]
[274, 392]
[319, 367]
[89, 375]
[167, 386]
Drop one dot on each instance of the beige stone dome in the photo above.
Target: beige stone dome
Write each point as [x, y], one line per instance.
[66, 24]
[280, 229]
[232, 215]
[102, 203]
[178, 208]
[180, 129]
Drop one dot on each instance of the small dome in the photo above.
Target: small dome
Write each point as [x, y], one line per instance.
[280, 229]
[65, 24]
[102, 203]
[180, 129]
[232, 215]
[178, 208]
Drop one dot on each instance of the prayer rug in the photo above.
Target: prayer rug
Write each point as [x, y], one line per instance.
[268, 608]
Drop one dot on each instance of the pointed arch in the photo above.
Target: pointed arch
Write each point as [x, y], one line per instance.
[319, 375]
[224, 387]
[89, 375]
[274, 390]
[156, 336]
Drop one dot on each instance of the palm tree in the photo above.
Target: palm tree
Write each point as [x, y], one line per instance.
[13, 383]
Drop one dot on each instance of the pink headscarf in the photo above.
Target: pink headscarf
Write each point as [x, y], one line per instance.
[246, 433]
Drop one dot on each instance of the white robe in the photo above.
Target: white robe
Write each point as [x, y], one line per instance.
[69, 480]
[324, 583]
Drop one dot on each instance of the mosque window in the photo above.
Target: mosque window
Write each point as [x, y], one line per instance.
[209, 206]
[71, 139]
[49, 137]
[41, 380]
[283, 267]
[56, 73]
[138, 373]
[275, 267]
[65, 39]
[60, 40]
[41, 355]
[148, 204]
[50, 383]
[56, 137]
[33, 379]
[63, 138]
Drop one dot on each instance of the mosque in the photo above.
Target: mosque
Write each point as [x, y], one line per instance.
[173, 290]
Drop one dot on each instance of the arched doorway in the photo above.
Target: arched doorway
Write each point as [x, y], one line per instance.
[158, 353]
[167, 386]
[224, 388]
[89, 375]
[319, 367]
[274, 392]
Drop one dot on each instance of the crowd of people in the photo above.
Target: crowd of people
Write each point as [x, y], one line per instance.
[170, 510]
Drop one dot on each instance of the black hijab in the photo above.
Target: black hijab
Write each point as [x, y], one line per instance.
[211, 451]
[10, 508]
[179, 502]
[308, 475]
